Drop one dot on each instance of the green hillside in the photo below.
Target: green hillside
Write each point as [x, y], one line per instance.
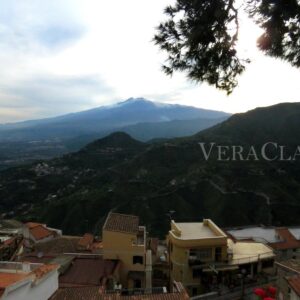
[119, 173]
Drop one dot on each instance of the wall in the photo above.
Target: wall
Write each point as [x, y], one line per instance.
[118, 245]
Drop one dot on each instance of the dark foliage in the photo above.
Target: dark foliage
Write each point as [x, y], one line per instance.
[200, 37]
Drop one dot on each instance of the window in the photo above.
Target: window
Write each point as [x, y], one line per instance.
[197, 273]
[201, 254]
[218, 254]
[138, 259]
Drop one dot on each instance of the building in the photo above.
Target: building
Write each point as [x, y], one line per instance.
[178, 293]
[125, 240]
[25, 281]
[288, 274]
[285, 241]
[202, 257]
[80, 269]
[294, 288]
[38, 233]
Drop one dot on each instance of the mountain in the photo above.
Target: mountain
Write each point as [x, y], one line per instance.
[76, 191]
[143, 119]
[103, 119]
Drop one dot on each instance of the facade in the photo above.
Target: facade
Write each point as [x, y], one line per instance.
[178, 293]
[287, 273]
[123, 239]
[202, 256]
[285, 241]
[25, 281]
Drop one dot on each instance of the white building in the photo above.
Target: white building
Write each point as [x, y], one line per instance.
[26, 281]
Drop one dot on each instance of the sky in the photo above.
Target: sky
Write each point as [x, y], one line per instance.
[61, 56]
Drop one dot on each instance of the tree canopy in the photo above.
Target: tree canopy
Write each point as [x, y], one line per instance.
[200, 37]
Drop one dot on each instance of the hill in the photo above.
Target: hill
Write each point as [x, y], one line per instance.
[143, 119]
[118, 173]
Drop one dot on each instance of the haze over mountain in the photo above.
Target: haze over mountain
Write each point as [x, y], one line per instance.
[143, 119]
[121, 174]
[131, 111]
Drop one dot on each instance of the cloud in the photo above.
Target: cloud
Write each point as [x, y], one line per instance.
[63, 56]
[42, 95]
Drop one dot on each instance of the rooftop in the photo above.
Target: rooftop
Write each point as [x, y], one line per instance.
[86, 241]
[259, 234]
[122, 223]
[291, 264]
[87, 270]
[31, 225]
[248, 252]
[11, 273]
[8, 279]
[294, 283]
[40, 232]
[287, 240]
[60, 244]
[200, 230]
[278, 238]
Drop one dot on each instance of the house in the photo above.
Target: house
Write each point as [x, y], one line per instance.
[285, 241]
[86, 242]
[125, 240]
[80, 269]
[294, 288]
[202, 256]
[25, 281]
[177, 293]
[288, 272]
[90, 270]
[38, 233]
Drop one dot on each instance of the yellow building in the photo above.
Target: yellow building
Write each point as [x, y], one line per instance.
[201, 256]
[123, 239]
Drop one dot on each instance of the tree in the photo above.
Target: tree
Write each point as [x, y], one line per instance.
[200, 37]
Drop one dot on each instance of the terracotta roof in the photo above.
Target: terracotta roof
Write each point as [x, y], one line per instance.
[40, 232]
[288, 240]
[87, 271]
[86, 241]
[31, 225]
[43, 270]
[8, 279]
[94, 293]
[294, 283]
[121, 223]
[60, 244]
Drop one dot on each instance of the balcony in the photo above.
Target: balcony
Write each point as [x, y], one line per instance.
[196, 261]
[140, 237]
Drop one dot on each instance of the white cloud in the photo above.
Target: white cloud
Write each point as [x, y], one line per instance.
[91, 52]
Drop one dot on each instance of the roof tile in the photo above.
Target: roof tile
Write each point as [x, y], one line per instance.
[122, 223]
[294, 283]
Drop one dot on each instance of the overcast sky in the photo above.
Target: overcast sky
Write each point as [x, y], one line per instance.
[60, 56]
